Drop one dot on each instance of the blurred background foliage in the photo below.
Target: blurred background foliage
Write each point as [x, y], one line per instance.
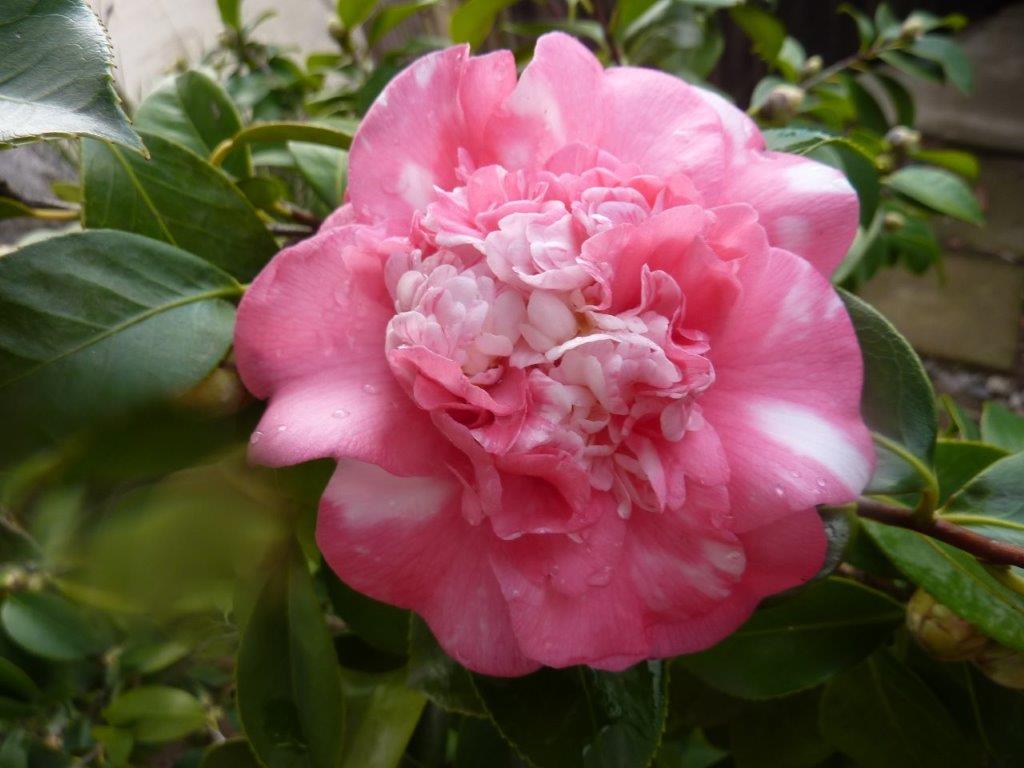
[162, 603]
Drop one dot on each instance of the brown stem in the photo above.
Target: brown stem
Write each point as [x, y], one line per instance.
[887, 586]
[982, 547]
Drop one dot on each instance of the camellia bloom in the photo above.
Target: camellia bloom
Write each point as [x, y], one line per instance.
[573, 345]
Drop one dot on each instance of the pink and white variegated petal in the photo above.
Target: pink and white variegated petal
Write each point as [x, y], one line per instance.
[403, 540]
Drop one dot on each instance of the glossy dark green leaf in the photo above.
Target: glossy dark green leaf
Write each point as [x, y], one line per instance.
[882, 716]
[55, 58]
[781, 733]
[380, 716]
[580, 716]
[117, 744]
[998, 712]
[383, 626]
[915, 245]
[47, 625]
[481, 745]
[897, 402]
[99, 322]
[473, 20]
[962, 424]
[691, 751]
[766, 33]
[913, 66]
[434, 672]
[156, 713]
[958, 461]
[961, 163]
[13, 209]
[1001, 426]
[799, 642]
[901, 99]
[354, 12]
[869, 112]
[281, 131]
[233, 753]
[939, 190]
[324, 168]
[391, 16]
[865, 27]
[176, 197]
[195, 112]
[15, 683]
[230, 13]
[264, 192]
[948, 54]
[956, 579]
[289, 685]
[992, 502]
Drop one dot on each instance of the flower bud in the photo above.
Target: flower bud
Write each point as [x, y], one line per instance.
[894, 221]
[1003, 666]
[912, 28]
[13, 579]
[903, 139]
[812, 66]
[35, 582]
[336, 29]
[940, 632]
[219, 394]
[783, 101]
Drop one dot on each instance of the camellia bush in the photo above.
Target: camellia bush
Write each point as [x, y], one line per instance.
[505, 404]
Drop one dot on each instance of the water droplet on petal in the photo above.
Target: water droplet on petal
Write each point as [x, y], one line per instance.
[256, 437]
[780, 491]
[341, 413]
[282, 428]
[575, 538]
[821, 482]
[369, 389]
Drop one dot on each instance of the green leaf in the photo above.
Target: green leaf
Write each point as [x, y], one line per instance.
[961, 163]
[156, 713]
[963, 424]
[799, 642]
[324, 168]
[355, 12]
[96, 323]
[379, 624]
[195, 112]
[472, 21]
[869, 113]
[15, 682]
[603, 718]
[939, 190]
[1001, 426]
[992, 503]
[764, 30]
[13, 209]
[47, 625]
[289, 685]
[391, 16]
[955, 579]
[233, 753]
[865, 27]
[882, 716]
[901, 99]
[957, 461]
[117, 744]
[897, 403]
[913, 66]
[264, 192]
[791, 59]
[915, 243]
[230, 13]
[948, 54]
[480, 745]
[310, 133]
[782, 732]
[55, 74]
[379, 721]
[434, 672]
[693, 751]
[176, 197]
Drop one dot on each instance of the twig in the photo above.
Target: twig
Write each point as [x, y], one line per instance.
[887, 586]
[986, 549]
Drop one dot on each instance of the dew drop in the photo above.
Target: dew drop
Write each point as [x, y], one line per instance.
[282, 428]
[341, 413]
[821, 482]
[780, 491]
[601, 577]
[575, 538]
[256, 437]
[369, 389]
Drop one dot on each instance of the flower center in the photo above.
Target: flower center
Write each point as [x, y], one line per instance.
[504, 323]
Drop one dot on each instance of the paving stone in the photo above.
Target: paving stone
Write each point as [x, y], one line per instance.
[1001, 188]
[974, 316]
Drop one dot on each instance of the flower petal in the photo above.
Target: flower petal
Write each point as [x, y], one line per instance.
[402, 540]
[786, 402]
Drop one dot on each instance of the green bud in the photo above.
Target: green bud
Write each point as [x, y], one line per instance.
[219, 394]
[812, 66]
[14, 579]
[903, 139]
[894, 221]
[1002, 665]
[940, 632]
[336, 29]
[912, 29]
[783, 101]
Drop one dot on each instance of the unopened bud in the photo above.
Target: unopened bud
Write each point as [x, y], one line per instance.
[940, 632]
[219, 394]
[885, 162]
[783, 101]
[903, 139]
[913, 28]
[812, 66]
[35, 582]
[336, 29]
[14, 579]
[1002, 665]
[894, 221]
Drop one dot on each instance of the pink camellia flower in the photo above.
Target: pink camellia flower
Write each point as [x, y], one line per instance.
[573, 345]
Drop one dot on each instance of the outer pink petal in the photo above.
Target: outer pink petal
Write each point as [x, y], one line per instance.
[410, 139]
[663, 125]
[403, 541]
[558, 101]
[806, 207]
[310, 336]
[786, 402]
[741, 132]
[785, 553]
